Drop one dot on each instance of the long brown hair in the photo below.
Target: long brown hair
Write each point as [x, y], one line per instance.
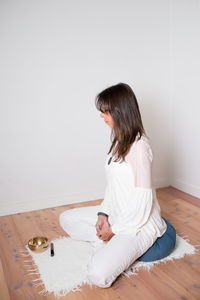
[122, 104]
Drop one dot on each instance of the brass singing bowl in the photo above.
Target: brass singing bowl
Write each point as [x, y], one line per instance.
[38, 243]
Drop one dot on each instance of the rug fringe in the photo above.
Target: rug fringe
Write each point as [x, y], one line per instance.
[28, 260]
[31, 271]
[28, 266]
[38, 284]
[37, 279]
[64, 292]
[44, 292]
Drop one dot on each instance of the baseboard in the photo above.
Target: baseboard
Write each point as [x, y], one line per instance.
[10, 208]
[186, 187]
[162, 182]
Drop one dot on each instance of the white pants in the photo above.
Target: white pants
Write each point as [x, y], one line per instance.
[110, 258]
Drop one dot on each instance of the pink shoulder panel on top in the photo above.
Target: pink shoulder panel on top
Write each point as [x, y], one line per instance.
[140, 158]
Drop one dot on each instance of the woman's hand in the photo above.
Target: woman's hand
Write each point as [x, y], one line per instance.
[106, 234]
[104, 231]
[101, 223]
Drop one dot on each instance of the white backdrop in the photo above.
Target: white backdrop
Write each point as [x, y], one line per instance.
[55, 57]
[185, 95]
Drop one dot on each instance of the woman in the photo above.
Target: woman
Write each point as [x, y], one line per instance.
[129, 221]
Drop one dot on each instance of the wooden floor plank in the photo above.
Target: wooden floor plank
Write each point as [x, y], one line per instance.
[134, 288]
[167, 287]
[14, 269]
[3, 285]
[182, 195]
[182, 272]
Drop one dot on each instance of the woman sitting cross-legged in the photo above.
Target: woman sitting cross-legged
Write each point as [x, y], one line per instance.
[127, 226]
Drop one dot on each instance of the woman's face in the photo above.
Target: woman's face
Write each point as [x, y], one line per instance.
[107, 118]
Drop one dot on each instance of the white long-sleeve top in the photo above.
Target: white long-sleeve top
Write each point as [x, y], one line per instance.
[130, 199]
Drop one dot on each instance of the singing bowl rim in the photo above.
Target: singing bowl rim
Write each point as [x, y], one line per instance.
[38, 247]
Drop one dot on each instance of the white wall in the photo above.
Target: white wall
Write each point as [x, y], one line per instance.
[185, 96]
[55, 57]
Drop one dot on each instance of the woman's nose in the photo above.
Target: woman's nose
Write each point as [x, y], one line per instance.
[101, 115]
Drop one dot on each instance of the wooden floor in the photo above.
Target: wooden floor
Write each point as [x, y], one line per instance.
[179, 279]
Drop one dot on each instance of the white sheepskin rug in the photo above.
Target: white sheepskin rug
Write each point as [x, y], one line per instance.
[66, 271]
